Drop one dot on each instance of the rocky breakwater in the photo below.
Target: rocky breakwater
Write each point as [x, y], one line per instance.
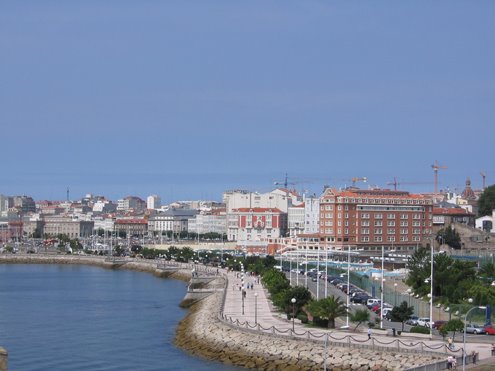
[203, 333]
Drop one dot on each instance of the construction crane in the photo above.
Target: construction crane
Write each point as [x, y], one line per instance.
[483, 175]
[435, 168]
[357, 179]
[396, 183]
[285, 183]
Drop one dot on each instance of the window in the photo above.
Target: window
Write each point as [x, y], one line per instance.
[378, 216]
[416, 231]
[391, 231]
[365, 231]
[365, 239]
[390, 216]
[403, 216]
[365, 216]
[378, 239]
[378, 231]
[365, 223]
[339, 207]
[403, 238]
[403, 223]
[403, 231]
[391, 239]
[346, 231]
[346, 223]
[378, 223]
[391, 223]
[339, 215]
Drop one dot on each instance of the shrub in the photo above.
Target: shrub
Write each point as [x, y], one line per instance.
[420, 330]
[302, 317]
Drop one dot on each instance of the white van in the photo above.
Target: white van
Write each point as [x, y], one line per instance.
[371, 302]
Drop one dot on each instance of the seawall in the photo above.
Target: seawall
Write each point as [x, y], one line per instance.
[203, 333]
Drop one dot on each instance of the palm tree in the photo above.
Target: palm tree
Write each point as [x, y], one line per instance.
[360, 316]
[328, 308]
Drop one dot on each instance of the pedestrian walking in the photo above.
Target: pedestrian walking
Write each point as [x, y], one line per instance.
[493, 349]
[473, 355]
[450, 343]
[369, 333]
[449, 362]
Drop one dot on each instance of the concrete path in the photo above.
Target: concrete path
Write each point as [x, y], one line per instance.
[259, 306]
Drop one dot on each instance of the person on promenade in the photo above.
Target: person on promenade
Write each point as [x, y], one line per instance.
[449, 362]
[450, 341]
[474, 354]
[369, 333]
[493, 349]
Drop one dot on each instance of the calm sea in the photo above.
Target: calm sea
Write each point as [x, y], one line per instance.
[69, 317]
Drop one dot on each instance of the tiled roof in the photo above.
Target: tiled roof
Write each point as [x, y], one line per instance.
[258, 210]
[450, 211]
[131, 221]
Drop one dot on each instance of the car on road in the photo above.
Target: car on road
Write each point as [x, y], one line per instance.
[424, 321]
[371, 302]
[412, 321]
[360, 298]
[490, 330]
[473, 328]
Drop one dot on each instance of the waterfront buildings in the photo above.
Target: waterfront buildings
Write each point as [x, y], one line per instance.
[153, 202]
[370, 219]
[175, 220]
[311, 215]
[131, 203]
[131, 227]
[256, 224]
[207, 222]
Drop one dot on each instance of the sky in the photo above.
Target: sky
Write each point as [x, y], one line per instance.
[186, 99]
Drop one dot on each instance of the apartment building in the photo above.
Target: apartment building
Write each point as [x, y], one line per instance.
[176, 220]
[256, 224]
[370, 219]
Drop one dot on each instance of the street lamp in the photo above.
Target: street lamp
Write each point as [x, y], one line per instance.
[395, 294]
[409, 295]
[293, 301]
[256, 308]
[243, 293]
[465, 325]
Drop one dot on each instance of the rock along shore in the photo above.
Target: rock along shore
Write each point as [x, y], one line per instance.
[203, 334]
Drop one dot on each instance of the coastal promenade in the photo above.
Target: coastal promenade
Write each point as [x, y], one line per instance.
[258, 314]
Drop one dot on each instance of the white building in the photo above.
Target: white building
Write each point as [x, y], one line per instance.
[311, 215]
[153, 202]
[208, 222]
[296, 220]
[130, 203]
[175, 220]
[279, 198]
[256, 224]
[104, 206]
[485, 222]
[107, 224]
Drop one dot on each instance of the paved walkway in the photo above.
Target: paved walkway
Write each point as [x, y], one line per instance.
[259, 306]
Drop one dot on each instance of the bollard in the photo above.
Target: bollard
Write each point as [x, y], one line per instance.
[3, 359]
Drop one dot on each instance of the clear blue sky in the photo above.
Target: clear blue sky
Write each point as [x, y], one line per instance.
[188, 98]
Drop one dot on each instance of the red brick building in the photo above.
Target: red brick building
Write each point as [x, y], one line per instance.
[256, 224]
[370, 219]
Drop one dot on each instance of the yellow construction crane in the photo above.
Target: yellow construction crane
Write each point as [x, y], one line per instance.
[357, 179]
[396, 183]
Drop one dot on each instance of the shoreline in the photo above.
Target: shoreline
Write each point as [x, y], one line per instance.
[202, 333]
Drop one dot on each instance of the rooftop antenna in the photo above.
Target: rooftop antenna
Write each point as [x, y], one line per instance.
[435, 168]
[68, 194]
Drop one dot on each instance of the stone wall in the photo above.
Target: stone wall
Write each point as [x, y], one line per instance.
[203, 334]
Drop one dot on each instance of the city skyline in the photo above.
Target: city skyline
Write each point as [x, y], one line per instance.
[189, 100]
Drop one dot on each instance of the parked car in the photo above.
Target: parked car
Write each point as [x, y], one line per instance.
[438, 324]
[490, 330]
[424, 321]
[385, 313]
[473, 328]
[360, 298]
[371, 302]
[336, 281]
[412, 321]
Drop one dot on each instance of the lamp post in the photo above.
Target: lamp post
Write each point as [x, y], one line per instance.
[318, 275]
[465, 325]
[293, 301]
[381, 289]
[395, 294]
[431, 290]
[242, 287]
[290, 269]
[409, 295]
[256, 308]
[348, 283]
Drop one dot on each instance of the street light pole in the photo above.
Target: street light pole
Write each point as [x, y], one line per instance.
[348, 283]
[256, 308]
[381, 289]
[465, 325]
[293, 301]
[395, 294]
[431, 291]
[242, 287]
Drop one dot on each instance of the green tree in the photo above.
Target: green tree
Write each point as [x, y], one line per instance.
[328, 308]
[401, 313]
[283, 299]
[454, 325]
[360, 316]
[487, 269]
[450, 237]
[486, 202]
